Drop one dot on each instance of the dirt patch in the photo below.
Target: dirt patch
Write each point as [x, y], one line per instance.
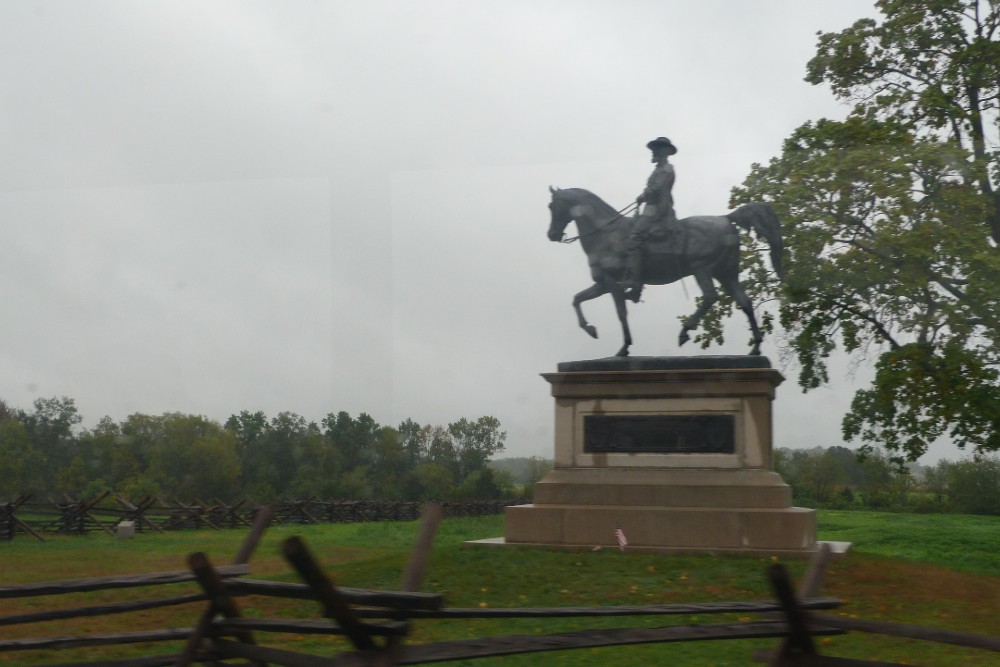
[881, 588]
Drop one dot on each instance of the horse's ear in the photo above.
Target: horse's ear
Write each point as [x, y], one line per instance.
[552, 189]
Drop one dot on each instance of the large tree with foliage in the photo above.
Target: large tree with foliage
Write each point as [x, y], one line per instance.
[50, 428]
[476, 442]
[935, 66]
[891, 219]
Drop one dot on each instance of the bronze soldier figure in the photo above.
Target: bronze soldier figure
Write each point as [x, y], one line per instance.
[658, 212]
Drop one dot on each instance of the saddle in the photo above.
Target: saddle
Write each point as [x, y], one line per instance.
[658, 234]
[660, 241]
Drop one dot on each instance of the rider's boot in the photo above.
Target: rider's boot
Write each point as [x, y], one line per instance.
[675, 238]
[633, 272]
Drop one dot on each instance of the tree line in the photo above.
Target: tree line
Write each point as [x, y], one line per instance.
[251, 455]
[837, 478]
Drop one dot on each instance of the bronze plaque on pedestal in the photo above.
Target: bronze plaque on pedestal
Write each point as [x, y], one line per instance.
[659, 434]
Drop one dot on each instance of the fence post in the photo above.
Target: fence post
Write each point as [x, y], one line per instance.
[799, 641]
[218, 602]
[334, 606]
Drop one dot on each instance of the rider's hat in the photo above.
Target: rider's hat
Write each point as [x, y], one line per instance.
[662, 142]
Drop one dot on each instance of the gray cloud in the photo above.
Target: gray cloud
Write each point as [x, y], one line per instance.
[309, 206]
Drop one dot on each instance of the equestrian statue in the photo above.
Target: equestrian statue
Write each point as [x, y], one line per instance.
[655, 248]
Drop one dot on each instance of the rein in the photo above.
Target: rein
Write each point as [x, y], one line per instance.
[621, 214]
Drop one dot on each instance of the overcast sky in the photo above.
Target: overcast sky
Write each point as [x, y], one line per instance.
[215, 206]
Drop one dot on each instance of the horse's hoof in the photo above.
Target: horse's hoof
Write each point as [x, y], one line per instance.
[622, 353]
[592, 330]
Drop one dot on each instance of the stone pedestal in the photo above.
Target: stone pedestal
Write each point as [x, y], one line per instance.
[675, 451]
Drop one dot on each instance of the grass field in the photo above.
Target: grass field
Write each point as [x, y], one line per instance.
[936, 570]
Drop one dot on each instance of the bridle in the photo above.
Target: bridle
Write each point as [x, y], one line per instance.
[634, 206]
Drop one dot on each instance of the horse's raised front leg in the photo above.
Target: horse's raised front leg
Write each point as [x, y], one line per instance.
[622, 308]
[592, 292]
[736, 291]
[708, 298]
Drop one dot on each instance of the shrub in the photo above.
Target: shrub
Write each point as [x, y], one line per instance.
[974, 485]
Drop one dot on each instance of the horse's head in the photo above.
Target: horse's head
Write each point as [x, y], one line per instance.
[562, 215]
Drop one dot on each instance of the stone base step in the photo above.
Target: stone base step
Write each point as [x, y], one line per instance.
[663, 487]
[687, 528]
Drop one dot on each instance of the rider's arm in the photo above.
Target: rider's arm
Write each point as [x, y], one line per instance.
[651, 188]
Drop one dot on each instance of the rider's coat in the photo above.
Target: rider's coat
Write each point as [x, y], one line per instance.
[659, 199]
[658, 195]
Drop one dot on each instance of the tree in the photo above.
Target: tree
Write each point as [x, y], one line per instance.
[851, 468]
[974, 485]
[71, 477]
[50, 428]
[820, 474]
[260, 478]
[317, 465]
[415, 440]
[431, 481]
[104, 459]
[131, 460]
[187, 455]
[283, 447]
[174, 437]
[935, 66]
[484, 484]
[935, 481]
[476, 442]
[355, 439]
[879, 477]
[213, 467]
[22, 466]
[441, 451]
[249, 428]
[391, 464]
[6, 412]
[888, 218]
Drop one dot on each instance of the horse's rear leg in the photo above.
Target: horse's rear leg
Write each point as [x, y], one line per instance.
[708, 298]
[736, 291]
[592, 292]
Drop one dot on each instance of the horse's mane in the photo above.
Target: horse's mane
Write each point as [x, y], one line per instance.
[603, 211]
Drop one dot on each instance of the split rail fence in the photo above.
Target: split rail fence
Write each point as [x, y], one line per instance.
[105, 512]
[375, 623]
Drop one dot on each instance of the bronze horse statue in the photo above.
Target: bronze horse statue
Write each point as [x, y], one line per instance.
[709, 251]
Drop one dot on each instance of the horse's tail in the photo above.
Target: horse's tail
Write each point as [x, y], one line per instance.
[762, 219]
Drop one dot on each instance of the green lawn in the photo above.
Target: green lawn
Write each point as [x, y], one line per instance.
[939, 570]
[957, 541]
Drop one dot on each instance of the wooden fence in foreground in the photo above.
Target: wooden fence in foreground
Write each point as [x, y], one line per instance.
[375, 623]
[104, 513]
